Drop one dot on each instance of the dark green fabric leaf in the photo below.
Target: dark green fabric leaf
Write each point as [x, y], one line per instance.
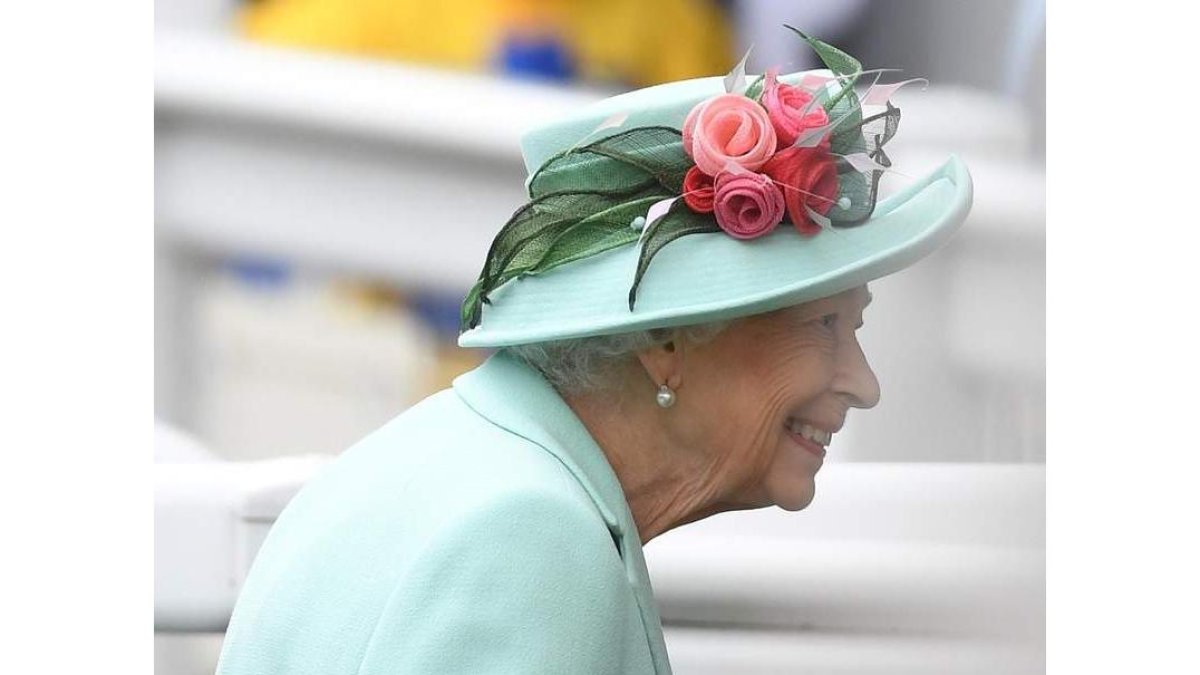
[835, 60]
[621, 163]
[679, 221]
[472, 307]
[539, 226]
[595, 234]
[534, 220]
[579, 171]
[547, 232]
[582, 201]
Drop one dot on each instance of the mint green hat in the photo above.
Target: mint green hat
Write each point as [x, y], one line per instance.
[677, 204]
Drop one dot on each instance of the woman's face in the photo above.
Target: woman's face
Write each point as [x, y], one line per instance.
[763, 398]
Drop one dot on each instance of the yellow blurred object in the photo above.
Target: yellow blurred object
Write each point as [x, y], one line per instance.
[451, 33]
[631, 41]
[644, 43]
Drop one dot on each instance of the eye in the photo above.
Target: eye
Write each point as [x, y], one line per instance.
[829, 320]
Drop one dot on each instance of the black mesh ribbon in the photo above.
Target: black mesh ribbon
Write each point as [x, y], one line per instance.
[851, 134]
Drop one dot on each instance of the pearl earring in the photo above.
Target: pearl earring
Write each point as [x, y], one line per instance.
[665, 396]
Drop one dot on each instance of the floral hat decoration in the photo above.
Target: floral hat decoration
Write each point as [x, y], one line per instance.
[760, 166]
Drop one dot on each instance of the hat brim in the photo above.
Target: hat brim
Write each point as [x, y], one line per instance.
[713, 277]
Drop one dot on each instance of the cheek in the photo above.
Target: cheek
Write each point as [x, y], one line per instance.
[763, 397]
[801, 374]
[802, 369]
[740, 411]
[735, 418]
[744, 391]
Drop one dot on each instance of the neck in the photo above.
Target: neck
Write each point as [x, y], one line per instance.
[665, 486]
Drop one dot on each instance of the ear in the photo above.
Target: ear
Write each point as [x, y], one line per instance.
[663, 363]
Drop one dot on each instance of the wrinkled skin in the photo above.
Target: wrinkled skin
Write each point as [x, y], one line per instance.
[725, 444]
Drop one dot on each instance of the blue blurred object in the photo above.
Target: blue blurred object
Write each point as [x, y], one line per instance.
[542, 57]
[1028, 28]
[439, 310]
[263, 273]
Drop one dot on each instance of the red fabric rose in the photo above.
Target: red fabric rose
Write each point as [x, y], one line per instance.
[747, 204]
[791, 109]
[808, 177]
[698, 190]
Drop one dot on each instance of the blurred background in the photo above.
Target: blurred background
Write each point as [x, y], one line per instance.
[312, 247]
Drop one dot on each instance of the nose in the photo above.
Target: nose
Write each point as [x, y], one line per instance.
[856, 380]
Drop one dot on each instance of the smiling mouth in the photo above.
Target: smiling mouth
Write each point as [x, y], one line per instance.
[808, 437]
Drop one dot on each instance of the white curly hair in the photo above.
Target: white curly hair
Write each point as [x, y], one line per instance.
[581, 365]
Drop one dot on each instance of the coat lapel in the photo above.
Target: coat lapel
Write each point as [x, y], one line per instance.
[517, 398]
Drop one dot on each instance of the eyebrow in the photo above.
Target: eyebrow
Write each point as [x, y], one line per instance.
[870, 297]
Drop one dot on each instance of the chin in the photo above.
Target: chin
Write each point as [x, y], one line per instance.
[792, 493]
[791, 482]
[796, 502]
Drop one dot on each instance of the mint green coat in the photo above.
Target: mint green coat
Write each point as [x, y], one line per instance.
[481, 531]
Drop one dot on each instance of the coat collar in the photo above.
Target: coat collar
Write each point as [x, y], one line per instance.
[518, 398]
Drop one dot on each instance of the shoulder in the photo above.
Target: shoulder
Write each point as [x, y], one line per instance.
[441, 472]
[442, 451]
[443, 429]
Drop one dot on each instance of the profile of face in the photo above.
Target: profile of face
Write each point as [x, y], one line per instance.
[762, 399]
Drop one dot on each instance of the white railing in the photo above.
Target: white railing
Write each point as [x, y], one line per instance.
[887, 559]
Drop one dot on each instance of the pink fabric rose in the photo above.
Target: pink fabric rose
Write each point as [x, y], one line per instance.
[809, 178]
[698, 190]
[747, 204]
[728, 128]
[786, 105]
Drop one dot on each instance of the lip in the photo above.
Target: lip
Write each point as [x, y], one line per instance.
[808, 445]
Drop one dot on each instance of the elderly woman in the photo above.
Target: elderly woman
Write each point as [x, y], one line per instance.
[675, 312]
